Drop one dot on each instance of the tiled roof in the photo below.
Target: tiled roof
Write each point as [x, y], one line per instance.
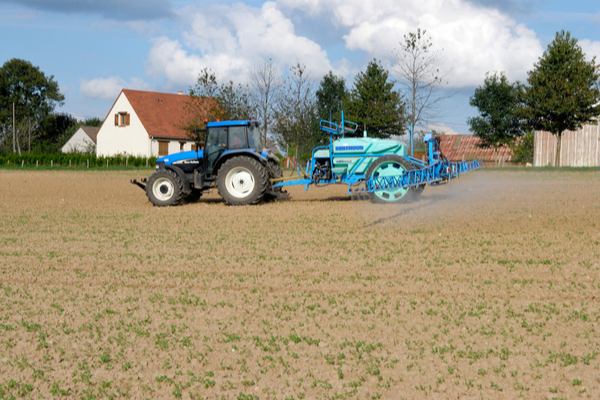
[91, 131]
[160, 113]
[459, 147]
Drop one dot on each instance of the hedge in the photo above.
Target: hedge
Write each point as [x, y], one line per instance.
[76, 160]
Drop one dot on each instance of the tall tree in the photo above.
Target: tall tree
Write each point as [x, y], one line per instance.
[210, 100]
[266, 82]
[295, 110]
[498, 123]
[563, 91]
[421, 72]
[33, 94]
[375, 105]
[331, 98]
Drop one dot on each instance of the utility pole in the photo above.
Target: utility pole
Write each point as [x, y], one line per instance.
[14, 133]
[29, 146]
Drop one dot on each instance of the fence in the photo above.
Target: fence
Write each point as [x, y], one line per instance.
[580, 148]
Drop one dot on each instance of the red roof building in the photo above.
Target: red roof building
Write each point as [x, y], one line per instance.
[465, 147]
[145, 124]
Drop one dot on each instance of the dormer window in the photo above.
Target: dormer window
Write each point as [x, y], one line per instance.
[122, 118]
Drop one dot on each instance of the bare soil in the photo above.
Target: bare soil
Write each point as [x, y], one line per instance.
[488, 287]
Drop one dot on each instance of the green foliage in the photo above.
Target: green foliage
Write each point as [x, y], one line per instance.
[331, 97]
[54, 131]
[523, 149]
[233, 102]
[498, 123]
[375, 105]
[77, 160]
[563, 91]
[34, 95]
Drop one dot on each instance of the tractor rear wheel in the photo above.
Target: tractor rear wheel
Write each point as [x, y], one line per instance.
[242, 180]
[275, 172]
[388, 166]
[164, 188]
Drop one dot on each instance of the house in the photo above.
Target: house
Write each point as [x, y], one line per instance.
[580, 148]
[466, 148]
[145, 124]
[82, 141]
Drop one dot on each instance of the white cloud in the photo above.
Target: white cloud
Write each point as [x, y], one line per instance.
[441, 128]
[109, 88]
[591, 49]
[230, 40]
[474, 39]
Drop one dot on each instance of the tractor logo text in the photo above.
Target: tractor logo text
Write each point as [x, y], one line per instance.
[349, 148]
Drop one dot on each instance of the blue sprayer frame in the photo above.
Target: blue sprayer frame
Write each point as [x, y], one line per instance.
[436, 170]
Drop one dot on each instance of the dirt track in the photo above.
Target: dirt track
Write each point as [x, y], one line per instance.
[485, 288]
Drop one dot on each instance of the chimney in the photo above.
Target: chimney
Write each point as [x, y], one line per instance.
[180, 92]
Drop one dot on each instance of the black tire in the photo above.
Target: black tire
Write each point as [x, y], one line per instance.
[275, 170]
[242, 181]
[164, 188]
[399, 165]
[193, 196]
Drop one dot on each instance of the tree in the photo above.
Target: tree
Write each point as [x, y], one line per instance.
[211, 101]
[420, 71]
[523, 148]
[33, 94]
[563, 90]
[331, 97]
[54, 131]
[375, 105]
[265, 81]
[498, 123]
[295, 111]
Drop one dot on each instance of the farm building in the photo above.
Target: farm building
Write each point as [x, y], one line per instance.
[83, 140]
[465, 147]
[579, 148]
[144, 124]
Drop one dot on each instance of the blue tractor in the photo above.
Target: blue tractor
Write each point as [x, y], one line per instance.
[244, 172]
[234, 159]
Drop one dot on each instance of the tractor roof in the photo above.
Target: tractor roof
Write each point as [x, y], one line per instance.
[232, 123]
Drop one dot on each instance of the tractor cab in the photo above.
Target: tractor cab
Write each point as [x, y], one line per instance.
[224, 137]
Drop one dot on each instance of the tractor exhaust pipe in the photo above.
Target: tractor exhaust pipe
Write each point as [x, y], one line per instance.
[141, 184]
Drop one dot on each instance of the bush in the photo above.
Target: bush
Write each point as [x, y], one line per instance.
[77, 160]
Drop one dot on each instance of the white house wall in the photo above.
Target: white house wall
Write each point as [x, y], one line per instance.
[174, 146]
[78, 143]
[131, 139]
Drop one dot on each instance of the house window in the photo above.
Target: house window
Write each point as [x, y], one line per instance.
[122, 118]
[181, 146]
[163, 148]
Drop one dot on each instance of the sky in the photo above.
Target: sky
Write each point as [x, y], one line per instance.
[94, 48]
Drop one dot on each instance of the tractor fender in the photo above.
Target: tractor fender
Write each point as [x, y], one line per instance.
[234, 153]
[184, 179]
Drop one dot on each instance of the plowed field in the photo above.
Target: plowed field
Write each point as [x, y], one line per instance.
[485, 288]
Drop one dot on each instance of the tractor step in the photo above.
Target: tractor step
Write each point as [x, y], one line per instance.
[141, 183]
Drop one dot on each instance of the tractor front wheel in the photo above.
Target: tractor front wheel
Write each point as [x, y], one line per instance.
[164, 188]
[242, 180]
[388, 166]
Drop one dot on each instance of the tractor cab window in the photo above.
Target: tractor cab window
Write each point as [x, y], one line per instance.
[216, 144]
[237, 138]
[255, 138]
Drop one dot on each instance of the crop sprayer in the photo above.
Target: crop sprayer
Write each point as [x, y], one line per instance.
[235, 160]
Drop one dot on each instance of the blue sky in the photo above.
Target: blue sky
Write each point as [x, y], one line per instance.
[96, 47]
